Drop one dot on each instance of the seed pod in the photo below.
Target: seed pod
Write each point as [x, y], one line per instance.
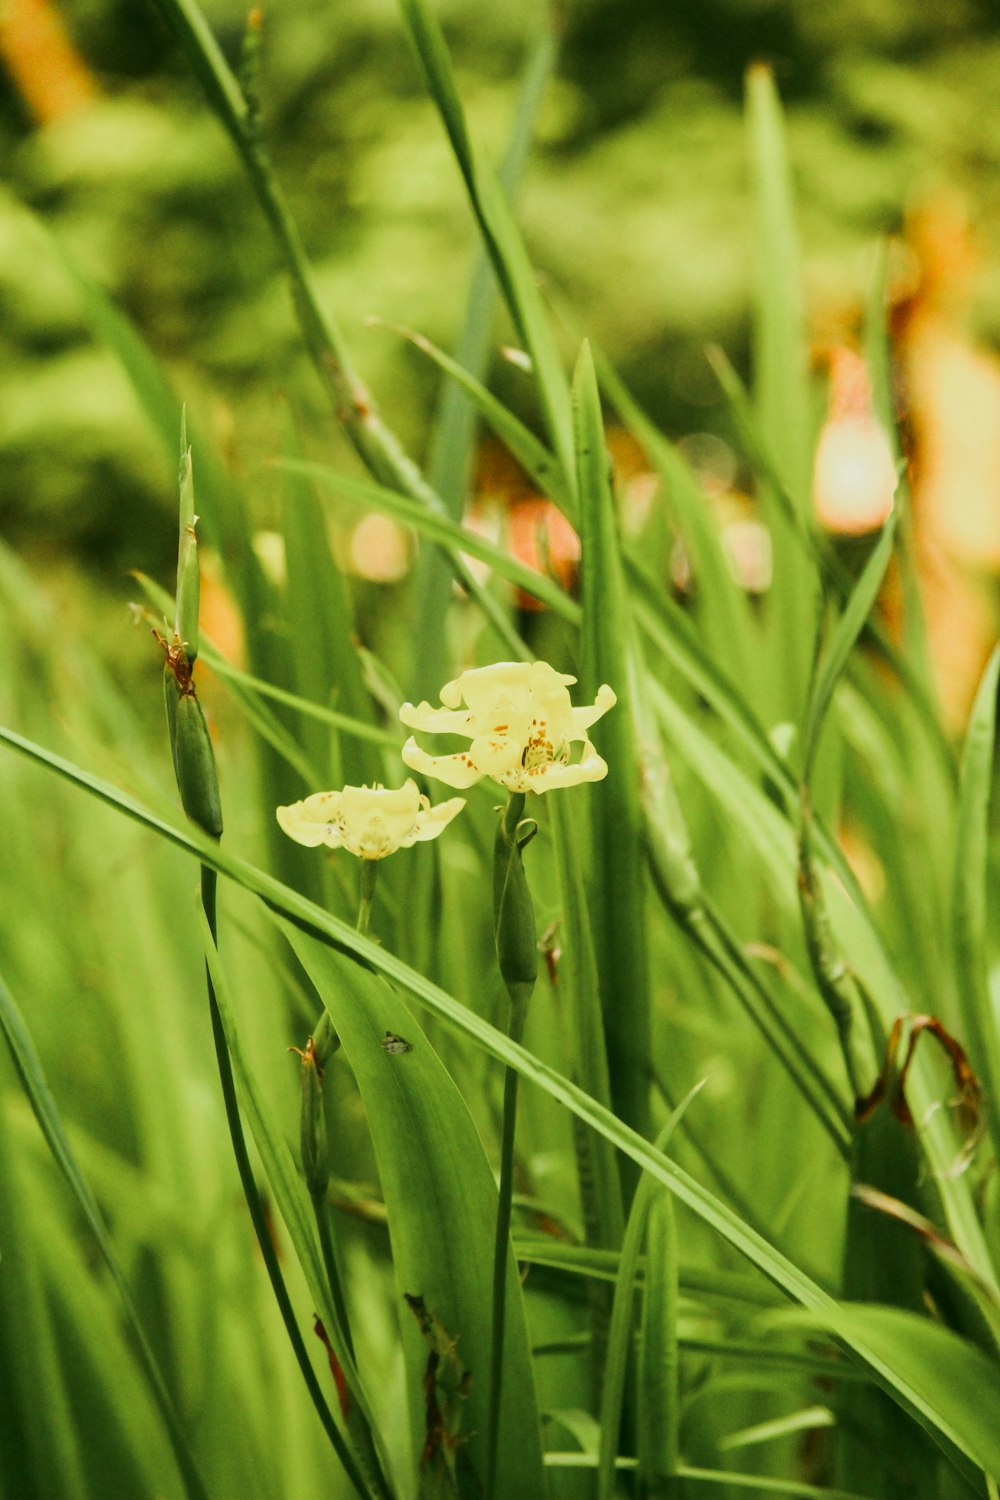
[194, 763]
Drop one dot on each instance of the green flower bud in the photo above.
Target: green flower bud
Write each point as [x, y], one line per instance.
[514, 911]
[194, 762]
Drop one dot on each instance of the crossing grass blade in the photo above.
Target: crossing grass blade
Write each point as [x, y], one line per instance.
[531, 453]
[962, 1381]
[443, 531]
[971, 885]
[620, 1339]
[915, 1386]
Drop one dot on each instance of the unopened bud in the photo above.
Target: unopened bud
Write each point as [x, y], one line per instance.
[194, 758]
[514, 910]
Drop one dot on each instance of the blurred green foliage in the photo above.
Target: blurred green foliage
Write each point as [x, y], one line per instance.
[635, 207]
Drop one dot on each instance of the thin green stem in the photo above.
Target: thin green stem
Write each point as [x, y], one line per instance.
[517, 956]
[515, 1031]
[208, 895]
[369, 879]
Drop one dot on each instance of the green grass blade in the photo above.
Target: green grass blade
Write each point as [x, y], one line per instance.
[36, 1088]
[441, 1201]
[721, 607]
[608, 656]
[36, 1415]
[443, 531]
[320, 631]
[500, 234]
[781, 388]
[533, 456]
[842, 642]
[254, 688]
[620, 1338]
[961, 1382]
[971, 927]
[453, 438]
[818, 553]
[454, 427]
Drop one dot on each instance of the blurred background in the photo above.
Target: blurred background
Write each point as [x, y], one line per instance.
[636, 208]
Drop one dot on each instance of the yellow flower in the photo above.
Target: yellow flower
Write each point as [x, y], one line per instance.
[521, 724]
[369, 821]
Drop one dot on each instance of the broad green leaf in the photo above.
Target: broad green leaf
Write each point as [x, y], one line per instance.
[441, 1203]
[954, 1387]
[658, 1415]
[600, 1188]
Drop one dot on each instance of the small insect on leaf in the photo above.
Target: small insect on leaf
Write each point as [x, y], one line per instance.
[393, 1043]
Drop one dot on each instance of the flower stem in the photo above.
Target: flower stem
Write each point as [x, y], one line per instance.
[517, 956]
[515, 1031]
[369, 876]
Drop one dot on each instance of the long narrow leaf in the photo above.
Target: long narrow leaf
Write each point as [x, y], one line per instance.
[36, 1088]
[970, 890]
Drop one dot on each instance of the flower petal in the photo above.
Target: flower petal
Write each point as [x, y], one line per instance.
[433, 820]
[590, 713]
[454, 770]
[548, 775]
[434, 720]
[313, 821]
